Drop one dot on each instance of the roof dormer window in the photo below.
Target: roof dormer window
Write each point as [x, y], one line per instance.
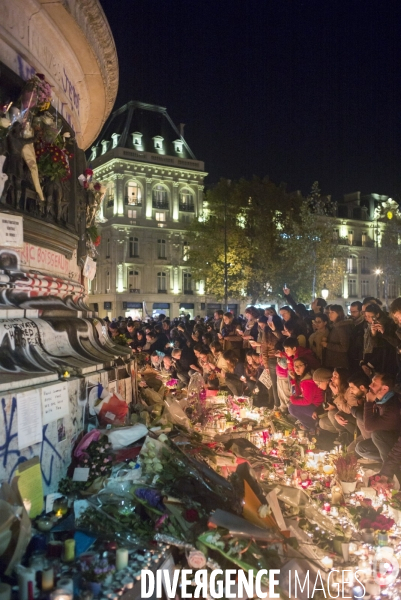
[93, 153]
[105, 145]
[137, 140]
[115, 137]
[158, 142]
[178, 146]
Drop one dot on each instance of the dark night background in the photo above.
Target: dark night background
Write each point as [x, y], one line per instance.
[297, 90]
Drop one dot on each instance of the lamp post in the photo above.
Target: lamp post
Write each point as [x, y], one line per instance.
[325, 292]
[378, 272]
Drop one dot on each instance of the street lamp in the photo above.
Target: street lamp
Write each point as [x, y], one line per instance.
[378, 272]
[325, 292]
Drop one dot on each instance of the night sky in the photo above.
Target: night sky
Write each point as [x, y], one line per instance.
[296, 90]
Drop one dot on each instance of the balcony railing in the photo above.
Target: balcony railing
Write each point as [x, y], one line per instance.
[187, 207]
[135, 203]
[134, 291]
[188, 292]
[364, 244]
[162, 291]
[160, 204]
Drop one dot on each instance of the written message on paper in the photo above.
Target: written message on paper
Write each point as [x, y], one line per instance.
[29, 418]
[55, 402]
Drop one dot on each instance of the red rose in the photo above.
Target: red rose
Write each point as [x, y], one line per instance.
[86, 184]
[97, 241]
[88, 172]
[97, 186]
[191, 515]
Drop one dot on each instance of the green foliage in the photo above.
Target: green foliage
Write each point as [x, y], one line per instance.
[311, 256]
[273, 237]
[253, 212]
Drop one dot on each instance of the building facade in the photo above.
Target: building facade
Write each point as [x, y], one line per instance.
[154, 188]
[359, 226]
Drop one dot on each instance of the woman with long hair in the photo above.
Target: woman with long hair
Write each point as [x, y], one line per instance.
[306, 396]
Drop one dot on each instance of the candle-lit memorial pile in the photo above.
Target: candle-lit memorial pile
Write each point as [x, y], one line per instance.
[194, 481]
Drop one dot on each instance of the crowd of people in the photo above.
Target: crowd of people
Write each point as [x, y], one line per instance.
[330, 372]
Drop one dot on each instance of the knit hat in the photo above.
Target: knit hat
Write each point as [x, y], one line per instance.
[322, 375]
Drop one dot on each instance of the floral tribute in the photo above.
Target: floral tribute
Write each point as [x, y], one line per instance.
[37, 93]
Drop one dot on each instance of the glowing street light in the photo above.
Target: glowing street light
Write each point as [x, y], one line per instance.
[325, 292]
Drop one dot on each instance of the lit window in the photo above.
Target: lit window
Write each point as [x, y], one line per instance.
[131, 213]
[160, 216]
[352, 264]
[350, 238]
[161, 248]
[187, 282]
[134, 194]
[133, 246]
[335, 235]
[162, 282]
[133, 281]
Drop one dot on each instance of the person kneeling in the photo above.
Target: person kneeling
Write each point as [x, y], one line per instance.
[381, 418]
[306, 396]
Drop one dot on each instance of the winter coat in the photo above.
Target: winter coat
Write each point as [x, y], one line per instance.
[336, 352]
[307, 392]
[346, 401]
[315, 342]
[383, 417]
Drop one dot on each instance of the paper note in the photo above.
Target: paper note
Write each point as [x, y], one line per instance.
[50, 498]
[29, 419]
[11, 231]
[30, 486]
[81, 474]
[55, 402]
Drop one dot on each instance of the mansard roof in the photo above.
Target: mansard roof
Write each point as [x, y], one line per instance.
[148, 124]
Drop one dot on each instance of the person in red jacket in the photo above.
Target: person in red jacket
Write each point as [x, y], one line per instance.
[306, 395]
[292, 351]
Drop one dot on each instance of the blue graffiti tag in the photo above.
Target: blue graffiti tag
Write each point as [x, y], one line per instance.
[47, 441]
[5, 449]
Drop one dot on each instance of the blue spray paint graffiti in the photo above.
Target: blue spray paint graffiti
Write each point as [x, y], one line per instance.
[8, 455]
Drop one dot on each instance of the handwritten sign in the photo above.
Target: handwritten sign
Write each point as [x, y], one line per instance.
[55, 402]
[29, 419]
[11, 231]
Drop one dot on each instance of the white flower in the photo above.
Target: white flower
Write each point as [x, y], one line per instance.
[264, 511]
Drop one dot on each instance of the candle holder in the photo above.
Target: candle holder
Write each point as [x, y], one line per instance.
[60, 507]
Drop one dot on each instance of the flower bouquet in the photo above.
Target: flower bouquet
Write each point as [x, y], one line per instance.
[347, 471]
[97, 569]
[37, 93]
[172, 384]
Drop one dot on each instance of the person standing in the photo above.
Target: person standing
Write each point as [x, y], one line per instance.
[337, 343]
